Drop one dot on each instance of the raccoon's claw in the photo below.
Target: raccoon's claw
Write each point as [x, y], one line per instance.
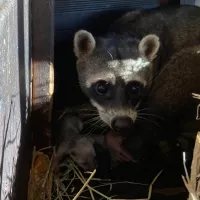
[121, 158]
[125, 156]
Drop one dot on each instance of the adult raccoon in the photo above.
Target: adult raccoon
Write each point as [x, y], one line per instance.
[116, 70]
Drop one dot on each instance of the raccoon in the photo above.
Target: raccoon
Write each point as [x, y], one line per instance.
[72, 143]
[116, 70]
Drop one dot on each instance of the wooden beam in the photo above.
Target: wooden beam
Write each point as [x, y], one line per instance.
[42, 70]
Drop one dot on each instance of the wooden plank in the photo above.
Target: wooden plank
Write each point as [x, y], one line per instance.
[42, 74]
[14, 94]
[42, 70]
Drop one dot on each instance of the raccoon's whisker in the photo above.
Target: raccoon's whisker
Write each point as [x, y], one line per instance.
[143, 109]
[95, 118]
[149, 121]
[87, 110]
[149, 114]
[106, 129]
[91, 120]
[103, 124]
[93, 126]
[97, 122]
[86, 107]
[96, 126]
[89, 115]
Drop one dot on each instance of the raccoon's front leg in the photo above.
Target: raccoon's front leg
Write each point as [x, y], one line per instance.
[69, 130]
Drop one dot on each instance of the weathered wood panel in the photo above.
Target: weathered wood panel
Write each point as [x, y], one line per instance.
[15, 52]
[42, 70]
[14, 92]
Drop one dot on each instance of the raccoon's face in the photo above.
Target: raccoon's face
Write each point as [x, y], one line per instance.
[115, 73]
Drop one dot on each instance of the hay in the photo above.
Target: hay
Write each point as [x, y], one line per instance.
[192, 183]
[40, 181]
[197, 96]
[44, 185]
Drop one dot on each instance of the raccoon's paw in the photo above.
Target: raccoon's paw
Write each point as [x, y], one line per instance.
[114, 143]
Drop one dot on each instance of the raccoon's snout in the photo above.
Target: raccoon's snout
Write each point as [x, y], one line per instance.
[121, 123]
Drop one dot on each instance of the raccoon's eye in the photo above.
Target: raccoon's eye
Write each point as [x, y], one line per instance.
[102, 87]
[135, 88]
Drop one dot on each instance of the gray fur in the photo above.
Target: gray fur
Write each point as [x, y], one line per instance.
[71, 142]
[79, 147]
[173, 87]
[137, 46]
[170, 98]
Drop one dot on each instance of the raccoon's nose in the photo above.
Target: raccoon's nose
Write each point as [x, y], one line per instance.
[121, 123]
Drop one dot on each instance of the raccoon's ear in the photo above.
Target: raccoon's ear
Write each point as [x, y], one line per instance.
[84, 44]
[149, 46]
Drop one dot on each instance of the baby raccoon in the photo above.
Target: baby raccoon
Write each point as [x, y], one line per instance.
[79, 147]
[84, 149]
